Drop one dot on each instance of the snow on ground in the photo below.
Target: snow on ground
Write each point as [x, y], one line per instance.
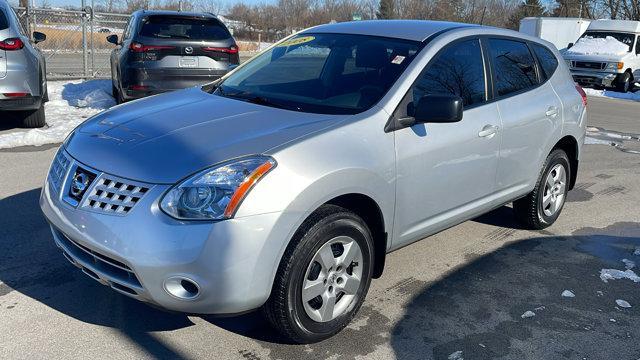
[623, 304]
[568, 293]
[455, 355]
[528, 314]
[615, 274]
[598, 46]
[70, 103]
[635, 96]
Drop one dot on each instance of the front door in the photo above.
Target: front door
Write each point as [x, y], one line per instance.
[446, 171]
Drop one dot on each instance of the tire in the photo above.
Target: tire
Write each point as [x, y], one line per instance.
[117, 95]
[302, 318]
[624, 83]
[541, 207]
[34, 118]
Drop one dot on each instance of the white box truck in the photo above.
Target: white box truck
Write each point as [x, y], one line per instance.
[607, 55]
[561, 32]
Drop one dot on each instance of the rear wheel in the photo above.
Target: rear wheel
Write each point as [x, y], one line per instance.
[34, 118]
[323, 277]
[541, 208]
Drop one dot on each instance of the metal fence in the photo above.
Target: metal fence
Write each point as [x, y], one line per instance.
[76, 45]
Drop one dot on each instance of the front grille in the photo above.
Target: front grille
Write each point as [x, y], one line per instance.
[114, 196]
[587, 80]
[96, 262]
[58, 170]
[590, 65]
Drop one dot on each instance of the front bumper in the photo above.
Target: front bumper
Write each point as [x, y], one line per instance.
[591, 78]
[233, 262]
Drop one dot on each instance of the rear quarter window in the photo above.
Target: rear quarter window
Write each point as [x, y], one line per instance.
[4, 23]
[514, 66]
[547, 60]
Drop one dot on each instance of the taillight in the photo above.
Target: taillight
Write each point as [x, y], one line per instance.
[230, 50]
[11, 44]
[583, 94]
[16, 94]
[140, 48]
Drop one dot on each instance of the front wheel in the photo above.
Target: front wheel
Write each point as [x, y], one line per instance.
[541, 207]
[323, 277]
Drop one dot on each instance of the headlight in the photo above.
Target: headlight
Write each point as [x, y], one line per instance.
[216, 193]
[615, 66]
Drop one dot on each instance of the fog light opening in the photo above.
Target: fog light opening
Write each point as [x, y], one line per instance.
[182, 288]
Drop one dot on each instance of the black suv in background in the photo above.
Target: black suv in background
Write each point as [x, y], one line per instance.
[168, 50]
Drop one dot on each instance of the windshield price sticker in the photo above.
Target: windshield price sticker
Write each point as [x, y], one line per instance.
[398, 59]
[296, 41]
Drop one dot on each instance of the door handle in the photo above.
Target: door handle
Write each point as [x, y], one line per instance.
[552, 111]
[488, 131]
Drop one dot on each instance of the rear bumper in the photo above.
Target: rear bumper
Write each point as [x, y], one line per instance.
[20, 104]
[156, 81]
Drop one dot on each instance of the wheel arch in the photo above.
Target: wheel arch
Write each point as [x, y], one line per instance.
[369, 210]
[569, 145]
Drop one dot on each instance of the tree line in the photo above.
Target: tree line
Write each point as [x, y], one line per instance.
[272, 20]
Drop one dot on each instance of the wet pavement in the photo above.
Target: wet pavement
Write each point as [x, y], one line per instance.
[485, 289]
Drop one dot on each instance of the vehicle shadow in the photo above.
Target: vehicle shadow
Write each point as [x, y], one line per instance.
[35, 267]
[475, 309]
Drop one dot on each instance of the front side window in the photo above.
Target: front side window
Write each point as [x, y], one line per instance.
[547, 60]
[625, 38]
[457, 70]
[322, 73]
[513, 65]
[181, 27]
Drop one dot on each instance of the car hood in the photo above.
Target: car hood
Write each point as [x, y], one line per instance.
[607, 58]
[165, 138]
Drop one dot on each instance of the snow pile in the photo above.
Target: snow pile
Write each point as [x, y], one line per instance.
[455, 355]
[637, 251]
[70, 103]
[635, 96]
[628, 264]
[598, 46]
[568, 293]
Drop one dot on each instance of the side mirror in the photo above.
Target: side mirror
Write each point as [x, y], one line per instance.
[569, 46]
[438, 108]
[39, 37]
[113, 39]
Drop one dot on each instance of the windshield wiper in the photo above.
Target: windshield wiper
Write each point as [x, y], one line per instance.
[254, 99]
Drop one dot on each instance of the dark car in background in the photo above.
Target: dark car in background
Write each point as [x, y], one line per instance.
[168, 50]
[23, 83]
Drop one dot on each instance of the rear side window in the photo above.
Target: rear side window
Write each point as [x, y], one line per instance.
[547, 60]
[180, 27]
[456, 70]
[3, 21]
[514, 66]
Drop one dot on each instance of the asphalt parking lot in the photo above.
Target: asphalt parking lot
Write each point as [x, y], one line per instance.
[468, 292]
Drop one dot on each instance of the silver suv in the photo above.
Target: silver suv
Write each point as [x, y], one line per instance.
[284, 185]
[23, 83]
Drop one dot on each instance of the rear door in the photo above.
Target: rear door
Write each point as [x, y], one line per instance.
[185, 42]
[530, 110]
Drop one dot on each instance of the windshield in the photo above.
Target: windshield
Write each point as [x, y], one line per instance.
[322, 73]
[181, 27]
[625, 38]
